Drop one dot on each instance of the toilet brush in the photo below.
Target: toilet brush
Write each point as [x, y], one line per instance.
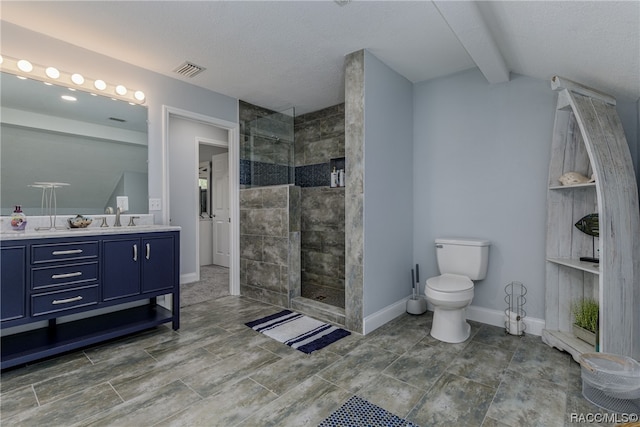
[416, 305]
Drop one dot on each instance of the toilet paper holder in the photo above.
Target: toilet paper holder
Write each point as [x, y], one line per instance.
[515, 313]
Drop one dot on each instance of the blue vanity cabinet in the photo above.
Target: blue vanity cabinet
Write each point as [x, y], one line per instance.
[122, 274]
[13, 277]
[121, 267]
[157, 274]
[137, 265]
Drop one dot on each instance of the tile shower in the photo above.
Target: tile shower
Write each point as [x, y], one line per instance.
[285, 172]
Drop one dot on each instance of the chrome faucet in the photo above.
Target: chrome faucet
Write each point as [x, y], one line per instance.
[117, 223]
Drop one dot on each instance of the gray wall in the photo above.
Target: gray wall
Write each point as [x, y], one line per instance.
[388, 185]
[481, 155]
[185, 203]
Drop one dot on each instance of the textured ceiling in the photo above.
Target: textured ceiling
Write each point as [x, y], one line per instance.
[291, 53]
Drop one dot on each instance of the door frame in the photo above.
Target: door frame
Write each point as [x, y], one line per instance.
[233, 141]
[214, 143]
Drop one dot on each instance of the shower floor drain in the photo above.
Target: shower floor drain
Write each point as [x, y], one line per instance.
[320, 297]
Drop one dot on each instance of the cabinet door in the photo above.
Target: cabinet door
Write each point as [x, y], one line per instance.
[121, 268]
[13, 282]
[157, 263]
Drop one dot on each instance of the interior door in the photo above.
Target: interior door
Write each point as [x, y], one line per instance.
[220, 202]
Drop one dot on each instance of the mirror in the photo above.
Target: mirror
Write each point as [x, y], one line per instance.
[95, 144]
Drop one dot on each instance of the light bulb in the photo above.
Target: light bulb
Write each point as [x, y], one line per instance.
[52, 72]
[139, 95]
[100, 84]
[25, 66]
[121, 90]
[1, 59]
[77, 79]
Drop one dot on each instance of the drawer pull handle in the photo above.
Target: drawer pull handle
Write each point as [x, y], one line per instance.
[69, 252]
[66, 275]
[148, 251]
[66, 301]
[135, 252]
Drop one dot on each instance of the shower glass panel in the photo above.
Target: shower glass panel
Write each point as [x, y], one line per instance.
[269, 150]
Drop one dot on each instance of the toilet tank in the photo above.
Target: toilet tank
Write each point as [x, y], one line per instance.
[468, 257]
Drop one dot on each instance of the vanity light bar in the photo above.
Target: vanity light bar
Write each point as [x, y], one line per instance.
[26, 69]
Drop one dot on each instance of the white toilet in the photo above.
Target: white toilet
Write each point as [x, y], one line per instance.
[460, 261]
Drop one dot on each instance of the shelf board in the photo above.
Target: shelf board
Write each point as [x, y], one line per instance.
[568, 187]
[44, 342]
[567, 342]
[589, 267]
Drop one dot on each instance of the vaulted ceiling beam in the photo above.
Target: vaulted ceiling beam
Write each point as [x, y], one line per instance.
[466, 22]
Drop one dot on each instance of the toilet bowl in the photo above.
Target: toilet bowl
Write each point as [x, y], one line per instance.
[460, 261]
[450, 295]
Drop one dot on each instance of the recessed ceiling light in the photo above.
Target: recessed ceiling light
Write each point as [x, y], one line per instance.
[68, 98]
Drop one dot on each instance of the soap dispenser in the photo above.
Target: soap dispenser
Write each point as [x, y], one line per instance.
[334, 178]
[18, 219]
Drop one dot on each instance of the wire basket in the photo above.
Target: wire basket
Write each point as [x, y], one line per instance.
[611, 382]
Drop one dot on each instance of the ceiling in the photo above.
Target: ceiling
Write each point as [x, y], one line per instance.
[281, 54]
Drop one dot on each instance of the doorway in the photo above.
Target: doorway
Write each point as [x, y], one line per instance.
[184, 133]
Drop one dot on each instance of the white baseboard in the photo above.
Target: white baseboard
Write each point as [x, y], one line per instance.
[534, 326]
[385, 315]
[189, 278]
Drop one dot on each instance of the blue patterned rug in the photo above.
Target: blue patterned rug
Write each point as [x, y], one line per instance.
[357, 412]
[298, 331]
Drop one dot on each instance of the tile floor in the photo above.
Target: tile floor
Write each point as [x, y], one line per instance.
[213, 283]
[217, 372]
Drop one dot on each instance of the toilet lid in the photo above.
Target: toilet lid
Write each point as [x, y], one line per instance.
[450, 283]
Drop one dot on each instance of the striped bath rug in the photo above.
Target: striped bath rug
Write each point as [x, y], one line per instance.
[298, 331]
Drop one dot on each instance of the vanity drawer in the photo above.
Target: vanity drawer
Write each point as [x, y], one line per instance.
[67, 274]
[53, 302]
[64, 251]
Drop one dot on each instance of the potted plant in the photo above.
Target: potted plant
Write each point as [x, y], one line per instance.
[585, 324]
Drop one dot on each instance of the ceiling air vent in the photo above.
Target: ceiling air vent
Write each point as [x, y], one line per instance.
[187, 69]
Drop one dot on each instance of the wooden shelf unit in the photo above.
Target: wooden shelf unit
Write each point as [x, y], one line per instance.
[588, 138]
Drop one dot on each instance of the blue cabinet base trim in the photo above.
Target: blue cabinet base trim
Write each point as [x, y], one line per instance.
[28, 346]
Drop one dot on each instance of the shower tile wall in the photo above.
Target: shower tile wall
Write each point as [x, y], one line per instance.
[319, 137]
[270, 243]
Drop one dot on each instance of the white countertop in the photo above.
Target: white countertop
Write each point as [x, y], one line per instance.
[6, 233]
[82, 232]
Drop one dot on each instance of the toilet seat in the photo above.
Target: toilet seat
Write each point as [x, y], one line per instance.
[450, 283]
